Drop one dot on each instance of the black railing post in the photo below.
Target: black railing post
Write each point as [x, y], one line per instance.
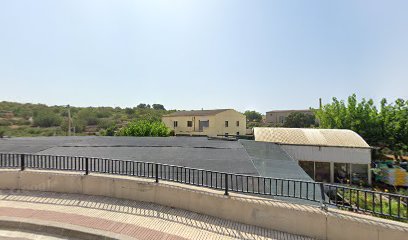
[226, 184]
[22, 162]
[156, 166]
[86, 166]
[323, 197]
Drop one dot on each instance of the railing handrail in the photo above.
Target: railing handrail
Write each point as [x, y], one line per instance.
[236, 182]
[170, 165]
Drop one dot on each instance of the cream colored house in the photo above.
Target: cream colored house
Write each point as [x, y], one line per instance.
[206, 122]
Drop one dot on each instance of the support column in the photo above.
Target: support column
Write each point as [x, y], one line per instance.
[332, 172]
[369, 174]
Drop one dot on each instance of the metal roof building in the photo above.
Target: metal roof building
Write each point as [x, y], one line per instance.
[331, 155]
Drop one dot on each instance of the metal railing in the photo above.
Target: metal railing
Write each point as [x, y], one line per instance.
[382, 204]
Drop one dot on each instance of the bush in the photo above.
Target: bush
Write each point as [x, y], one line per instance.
[143, 128]
[104, 123]
[4, 122]
[46, 118]
[2, 132]
[87, 116]
[76, 124]
[110, 131]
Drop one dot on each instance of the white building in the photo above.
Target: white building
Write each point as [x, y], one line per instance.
[328, 155]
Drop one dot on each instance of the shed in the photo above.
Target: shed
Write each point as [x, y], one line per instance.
[328, 155]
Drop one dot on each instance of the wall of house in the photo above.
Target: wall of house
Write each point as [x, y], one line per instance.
[232, 117]
[216, 124]
[182, 127]
[273, 117]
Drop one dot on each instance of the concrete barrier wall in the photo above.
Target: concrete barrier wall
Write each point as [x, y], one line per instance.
[278, 215]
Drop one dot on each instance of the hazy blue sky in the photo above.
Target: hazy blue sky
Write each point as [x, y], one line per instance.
[260, 55]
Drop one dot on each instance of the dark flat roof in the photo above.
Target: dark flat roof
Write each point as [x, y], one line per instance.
[243, 156]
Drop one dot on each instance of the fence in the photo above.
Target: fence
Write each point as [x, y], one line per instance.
[360, 200]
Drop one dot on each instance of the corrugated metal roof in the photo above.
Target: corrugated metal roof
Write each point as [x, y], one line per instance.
[196, 113]
[311, 136]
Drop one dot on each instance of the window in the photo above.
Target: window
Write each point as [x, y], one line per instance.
[359, 174]
[189, 123]
[226, 123]
[226, 134]
[237, 123]
[237, 133]
[318, 171]
[282, 119]
[322, 171]
[342, 173]
[175, 124]
[308, 167]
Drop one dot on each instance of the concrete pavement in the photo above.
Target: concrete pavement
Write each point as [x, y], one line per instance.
[123, 219]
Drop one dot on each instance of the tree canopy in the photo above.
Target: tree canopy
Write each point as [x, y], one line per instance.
[300, 120]
[384, 128]
[253, 116]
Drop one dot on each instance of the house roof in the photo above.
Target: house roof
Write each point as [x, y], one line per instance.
[292, 110]
[196, 113]
[311, 136]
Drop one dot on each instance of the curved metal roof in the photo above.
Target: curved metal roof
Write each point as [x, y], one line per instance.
[311, 136]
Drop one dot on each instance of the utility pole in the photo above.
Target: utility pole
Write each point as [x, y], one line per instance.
[69, 121]
[320, 103]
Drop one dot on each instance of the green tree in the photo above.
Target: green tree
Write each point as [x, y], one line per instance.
[253, 116]
[393, 123]
[385, 128]
[144, 128]
[300, 120]
[129, 111]
[158, 107]
[143, 106]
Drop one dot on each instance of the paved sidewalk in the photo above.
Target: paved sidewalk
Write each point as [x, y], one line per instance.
[134, 219]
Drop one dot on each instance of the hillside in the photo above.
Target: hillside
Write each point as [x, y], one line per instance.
[18, 120]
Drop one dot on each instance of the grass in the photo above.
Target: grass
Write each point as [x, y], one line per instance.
[382, 205]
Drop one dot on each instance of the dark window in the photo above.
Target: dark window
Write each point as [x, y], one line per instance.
[237, 133]
[359, 174]
[226, 134]
[237, 123]
[175, 124]
[322, 171]
[342, 173]
[226, 123]
[308, 167]
[189, 123]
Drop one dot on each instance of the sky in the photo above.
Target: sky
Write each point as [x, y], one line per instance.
[247, 55]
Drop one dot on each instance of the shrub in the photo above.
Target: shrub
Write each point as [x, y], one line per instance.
[2, 132]
[87, 116]
[4, 122]
[104, 123]
[143, 128]
[76, 124]
[46, 118]
[110, 131]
